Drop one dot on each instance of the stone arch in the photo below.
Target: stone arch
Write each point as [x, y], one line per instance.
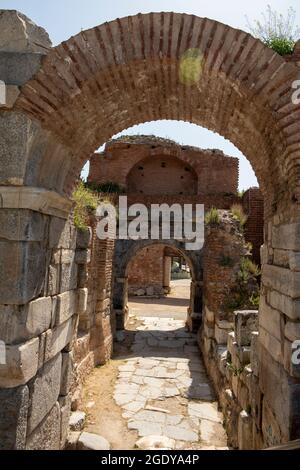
[125, 250]
[107, 79]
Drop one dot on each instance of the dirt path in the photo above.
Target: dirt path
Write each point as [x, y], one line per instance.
[155, 385]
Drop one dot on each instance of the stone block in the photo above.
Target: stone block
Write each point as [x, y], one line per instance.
[18, 130]
[58, 338]
[11, 95]
[246, 321]
[66, 306]
[292, 331]
[53, 281]
[270, 427]
[62, 256]
[270, 319]
[77, 420]
[82, 277]
[65, 413]
[88, 441]
[271, 344]
[20, 34]
[13, 418]
[281, 392]
[21, 364]
[150, 291]
[84, 238]
[22, 225]
[17, 68]
[294, 261]
[22, 271]
[222, 328]
[83, 256]
[19, 324]
[66, 373]
[290, 307]
[286, 237]
[281, 258]
[245, 424]
[68, 277]
[283, 280]
[82, 300]
[62, 234]
[44, 391]
[47, 435]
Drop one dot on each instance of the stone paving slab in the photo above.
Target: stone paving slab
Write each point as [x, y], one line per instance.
[166, 368]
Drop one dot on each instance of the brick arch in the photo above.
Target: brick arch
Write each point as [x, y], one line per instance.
[177, 176]
[126, 250]
[128, 71]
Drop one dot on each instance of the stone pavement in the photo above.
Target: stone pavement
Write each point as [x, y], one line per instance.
[163, 388]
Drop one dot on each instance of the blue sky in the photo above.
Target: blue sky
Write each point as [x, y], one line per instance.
[64, 18]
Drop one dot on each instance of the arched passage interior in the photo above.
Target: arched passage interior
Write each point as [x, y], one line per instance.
[126, 250]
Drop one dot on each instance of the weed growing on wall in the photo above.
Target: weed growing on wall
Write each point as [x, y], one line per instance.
[277, 31]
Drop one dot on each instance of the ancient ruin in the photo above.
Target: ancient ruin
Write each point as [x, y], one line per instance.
[63, 291]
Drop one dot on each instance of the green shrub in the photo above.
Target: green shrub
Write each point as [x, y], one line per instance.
[86, 203]
[276, 31]
[212, 217]
[282, 46]
[249, 266]
[239, 214]
[245, 293]
[254, 299]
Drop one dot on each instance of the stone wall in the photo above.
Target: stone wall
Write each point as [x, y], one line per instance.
[36, 379]
[248, 354]
[55, 340]
[225, 335]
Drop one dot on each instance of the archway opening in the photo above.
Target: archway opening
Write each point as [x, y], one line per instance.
[159, 283]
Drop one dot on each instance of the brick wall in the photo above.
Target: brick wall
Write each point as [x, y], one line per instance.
[216, 172]
[146, 270]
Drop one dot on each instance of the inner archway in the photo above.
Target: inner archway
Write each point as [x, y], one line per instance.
[127, 250]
